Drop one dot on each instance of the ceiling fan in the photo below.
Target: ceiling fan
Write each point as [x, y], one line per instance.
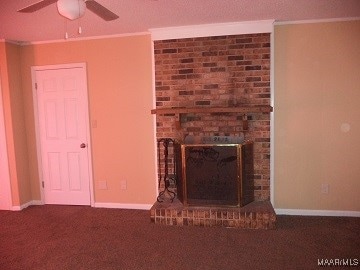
[73, 9]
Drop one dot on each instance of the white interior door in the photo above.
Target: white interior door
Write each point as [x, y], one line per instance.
[62, 111]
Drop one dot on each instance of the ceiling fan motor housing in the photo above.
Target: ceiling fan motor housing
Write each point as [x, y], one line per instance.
[71, 9]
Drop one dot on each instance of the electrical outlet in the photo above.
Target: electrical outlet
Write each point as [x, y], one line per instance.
[102, 184]
[123, 184]
[324, 188]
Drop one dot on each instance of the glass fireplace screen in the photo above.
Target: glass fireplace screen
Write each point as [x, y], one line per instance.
[215, 174]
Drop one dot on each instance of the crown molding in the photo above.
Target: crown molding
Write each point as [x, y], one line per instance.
[15, 42]
[208, 30]
[83, 38]
[317, 21]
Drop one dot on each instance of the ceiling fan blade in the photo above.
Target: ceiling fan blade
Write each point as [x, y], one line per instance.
[37, 6]
[101, 11]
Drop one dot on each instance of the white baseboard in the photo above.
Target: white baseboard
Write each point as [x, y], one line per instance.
[305, 212]
[123, 206]
[97, 205]
[278, 211]
[25, 205]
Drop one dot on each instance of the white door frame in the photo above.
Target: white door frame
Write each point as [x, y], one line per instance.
[5, 188]
[37, 126]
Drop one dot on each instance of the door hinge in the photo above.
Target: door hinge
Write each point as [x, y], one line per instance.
[36, 86]
[42, 183]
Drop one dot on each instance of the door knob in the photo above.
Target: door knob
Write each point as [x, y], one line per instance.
[83, 145]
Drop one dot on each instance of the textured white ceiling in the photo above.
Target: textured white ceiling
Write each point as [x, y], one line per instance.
[141, 15]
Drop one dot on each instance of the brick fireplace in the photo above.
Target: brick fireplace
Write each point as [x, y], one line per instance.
[229, 71]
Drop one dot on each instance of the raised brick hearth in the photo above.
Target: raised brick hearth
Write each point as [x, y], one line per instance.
[255, 215]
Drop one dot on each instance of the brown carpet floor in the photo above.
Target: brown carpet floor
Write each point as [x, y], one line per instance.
[80, 237]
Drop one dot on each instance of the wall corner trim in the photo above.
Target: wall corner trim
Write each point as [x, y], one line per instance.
[123, 206]
[307, 212]
[208, 30]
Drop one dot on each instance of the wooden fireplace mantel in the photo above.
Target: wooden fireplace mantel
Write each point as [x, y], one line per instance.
[240, 109]
[177, 111]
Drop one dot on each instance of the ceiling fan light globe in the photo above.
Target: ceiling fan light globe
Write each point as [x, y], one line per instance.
[71, 9]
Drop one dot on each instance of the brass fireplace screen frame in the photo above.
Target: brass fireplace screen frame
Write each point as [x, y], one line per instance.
[215, 174]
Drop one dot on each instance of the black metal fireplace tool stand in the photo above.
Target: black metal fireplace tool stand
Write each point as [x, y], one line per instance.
[166, 178]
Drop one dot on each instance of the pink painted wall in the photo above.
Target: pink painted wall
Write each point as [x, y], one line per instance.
[120, 99]
[14, 124]
[317, 115]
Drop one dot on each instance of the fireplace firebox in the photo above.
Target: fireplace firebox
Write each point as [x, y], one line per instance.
[215, 174]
